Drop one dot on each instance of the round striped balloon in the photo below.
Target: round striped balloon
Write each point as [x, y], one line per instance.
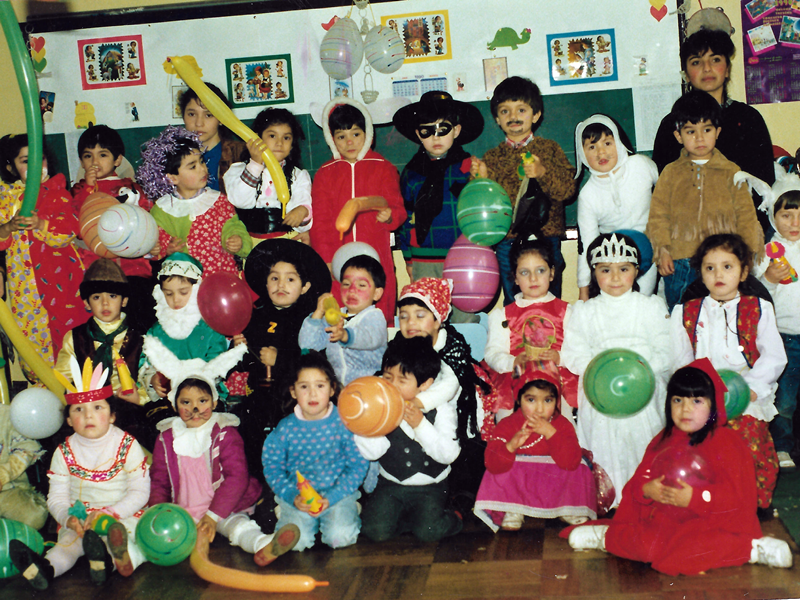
[341, 50]
[384, 50]
[475, 274]
[127, 230]
[14, 530]
[484, 212]
[93, 208]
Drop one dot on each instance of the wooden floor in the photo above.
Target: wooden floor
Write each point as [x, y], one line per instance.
[531, 563]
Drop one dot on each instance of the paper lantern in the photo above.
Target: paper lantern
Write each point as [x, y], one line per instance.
[475, 274]
[484, 212]
[166, 534]
[128, 231]
[384, 49]
[619, 382]
[370, 406]
[341, 49]
[36, 413]
[738, 395]
[89, 217]
[14, 530]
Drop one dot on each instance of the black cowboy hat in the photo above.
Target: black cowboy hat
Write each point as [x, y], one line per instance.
[407, 119]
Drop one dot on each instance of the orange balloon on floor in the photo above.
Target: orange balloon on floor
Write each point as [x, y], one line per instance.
[370, 406]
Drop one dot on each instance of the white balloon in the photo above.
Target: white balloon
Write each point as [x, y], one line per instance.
[127, 230]
[36, 413]
[384, 49]
[342, 49]
[348, 251]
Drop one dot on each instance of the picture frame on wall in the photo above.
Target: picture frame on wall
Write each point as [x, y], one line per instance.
[582, 57]
[259, 80]
[495, 70]
[111, 62]
[425, 35]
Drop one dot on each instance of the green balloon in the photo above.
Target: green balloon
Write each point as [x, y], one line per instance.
[14, 530]
[484, 212]
[166, 534]
[619, 382]
[738, 395]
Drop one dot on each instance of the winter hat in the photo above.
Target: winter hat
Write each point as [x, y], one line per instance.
[434, 106]
[87, 385]
[434, 293]
[531, 374]
[704, 365]
[328, 134]
[182, 265]
[622, 151]
[104, 275]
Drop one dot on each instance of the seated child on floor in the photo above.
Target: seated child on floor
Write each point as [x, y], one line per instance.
[314, 442]
[533, 461]
[415, 458]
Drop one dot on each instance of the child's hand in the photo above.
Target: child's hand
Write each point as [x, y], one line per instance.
[256, 148]
[515, 443]
[753, 396]
[233, 244]
[32, 223]
[412, 414]
[296, 216]
[478, 168]
[541, 426]
[319, 313]
[384, 215]
[155, 251]
[677, 497]
[519, 363]
[91, 176]
[238, 339]
[303, 238]
[131, 396]
[175, 245]
[535, 169]
[76, 526]
[654, 489]
[156, 382]
[207, 527]
[301, 505]
[777, 271]
[338, 333]
[268, 356]
[550, 354]
[665, 265]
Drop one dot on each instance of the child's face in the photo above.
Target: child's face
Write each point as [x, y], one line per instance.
[699, 139]
[602, 154]
[198, 118]
[690, 414]
[194, 406]
[21, 164]
[101, 160]
[91, 419]
[417, 321]
[533, 276]
[722, 273]
[358, 290]
[349, 142]
[787, 222]
[615, 278]
[278, 138]
[708, 72]
[536, 402]
[438, 137]
[406, 383]
[192, 175]
[284, 285]
[516, 118]
[105, 307]
[177, 292]
[313, 392]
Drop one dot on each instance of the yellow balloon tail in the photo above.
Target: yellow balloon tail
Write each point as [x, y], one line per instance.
[65, 382]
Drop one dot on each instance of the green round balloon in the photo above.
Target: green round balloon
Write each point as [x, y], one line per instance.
[14, 530]
[738, 395]
[484, 212]
[166, 534]
[619, 382]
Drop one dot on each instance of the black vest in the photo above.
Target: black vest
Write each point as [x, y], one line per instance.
[130, 350]
[405, 457]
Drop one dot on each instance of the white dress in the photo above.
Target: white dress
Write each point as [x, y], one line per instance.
[635, 322]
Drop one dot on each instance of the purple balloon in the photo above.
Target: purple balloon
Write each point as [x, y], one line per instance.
[475, 274]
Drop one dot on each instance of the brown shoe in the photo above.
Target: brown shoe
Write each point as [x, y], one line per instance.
[118, 543]
[284, 540]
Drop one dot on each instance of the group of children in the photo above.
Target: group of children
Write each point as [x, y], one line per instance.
[233, 463]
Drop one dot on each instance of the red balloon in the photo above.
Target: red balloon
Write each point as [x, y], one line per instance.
[684, 464]
[225, 303]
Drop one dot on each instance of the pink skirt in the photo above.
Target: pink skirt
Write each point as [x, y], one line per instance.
[536, 487]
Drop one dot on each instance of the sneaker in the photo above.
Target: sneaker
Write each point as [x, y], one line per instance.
[36, 570]
[284, 540]
[772, 552]
[512, 521]
[588, 537]
[118, 544]
[100, 564]
[785, 461]
[574, 520]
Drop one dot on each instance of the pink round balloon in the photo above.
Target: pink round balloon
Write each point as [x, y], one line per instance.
[475, 274]
[225, 303]
[684, 464]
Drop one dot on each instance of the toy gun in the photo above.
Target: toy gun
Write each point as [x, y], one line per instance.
[125, 379]
[776, 251]
[527, 159]
[333, 314]
[309, 494]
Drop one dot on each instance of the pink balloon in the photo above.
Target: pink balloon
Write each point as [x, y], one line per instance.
[475, 274]
[684, 464]
[225, 303]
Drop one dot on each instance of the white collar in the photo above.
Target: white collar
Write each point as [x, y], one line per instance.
[188, 207]
[527, 302]
[192, 441]
[298, 412]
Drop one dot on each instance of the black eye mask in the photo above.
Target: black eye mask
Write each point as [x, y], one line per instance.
[439, 130]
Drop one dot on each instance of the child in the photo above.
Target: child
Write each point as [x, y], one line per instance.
[355, 345]
[689, 529]
[249, 185]
[44, 269]
[617, 316]
[314, 441]
[101, 470]
[191, 217]
[548, 181]
[435, 176]
[617, 195]
[199, 461]
[415, 458]
[738, 333]
[219, 150]
[356, 171]
[696, 196]
[532, 328]
[533, 461]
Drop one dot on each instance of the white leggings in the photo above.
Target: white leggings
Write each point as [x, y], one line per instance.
[243, 532]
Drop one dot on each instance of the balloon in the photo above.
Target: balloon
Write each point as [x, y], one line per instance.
[225, 303]
[384, 49]
[738, 395]
[341, 49]
[475, 274]
[684, 464]
[14, 530]
[166, 534]
[484, 212]
[225, 116]
[348, 251]
[127, 230]
[36, 413]
[89, 217]
[645, 249]
[619, 382]
[370, 406]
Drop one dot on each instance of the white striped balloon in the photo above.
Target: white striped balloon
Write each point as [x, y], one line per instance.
[127, 230]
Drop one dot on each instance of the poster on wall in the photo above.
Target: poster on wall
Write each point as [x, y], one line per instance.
[582, 57]
[771, 42]
[426, 35]
[111, 62]
[260, 80]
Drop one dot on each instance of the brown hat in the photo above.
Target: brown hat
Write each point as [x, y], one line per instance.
[104, 275]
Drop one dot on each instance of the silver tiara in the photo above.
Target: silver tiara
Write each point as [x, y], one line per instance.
[615, 250]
